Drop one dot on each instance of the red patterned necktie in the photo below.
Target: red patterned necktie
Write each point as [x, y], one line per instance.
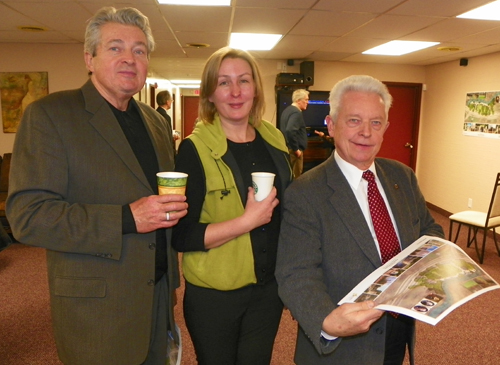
[384, 229]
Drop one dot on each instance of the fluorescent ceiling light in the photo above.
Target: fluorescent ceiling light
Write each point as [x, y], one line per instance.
[197, 2]
[254, 41]
[489, 11]
[188, 86]
[185, 82]
[398, 48]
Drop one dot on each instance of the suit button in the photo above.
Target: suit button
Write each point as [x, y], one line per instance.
[152, 246]
[151, 282]
[379, 331]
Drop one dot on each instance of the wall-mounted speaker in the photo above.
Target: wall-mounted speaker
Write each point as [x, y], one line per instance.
[307, 69]
[284, 78]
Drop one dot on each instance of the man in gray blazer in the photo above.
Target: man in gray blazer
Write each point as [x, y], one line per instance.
[328, 244]
[83, 185]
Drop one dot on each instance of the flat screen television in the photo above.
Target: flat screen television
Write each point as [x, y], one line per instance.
[316, 112]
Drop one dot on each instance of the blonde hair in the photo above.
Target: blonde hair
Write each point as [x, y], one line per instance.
[209, 80]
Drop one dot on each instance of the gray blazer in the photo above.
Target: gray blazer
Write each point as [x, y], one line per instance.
[326, 248]
[72, 171]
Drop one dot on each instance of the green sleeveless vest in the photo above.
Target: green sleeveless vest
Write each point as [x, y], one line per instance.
[230, 266]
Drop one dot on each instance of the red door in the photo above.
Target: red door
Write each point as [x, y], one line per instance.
[401, 138]
[189, 114]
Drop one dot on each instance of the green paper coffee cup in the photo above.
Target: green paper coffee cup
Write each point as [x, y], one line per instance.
[171, 182]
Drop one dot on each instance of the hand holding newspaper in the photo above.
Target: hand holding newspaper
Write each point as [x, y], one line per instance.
[426, 281]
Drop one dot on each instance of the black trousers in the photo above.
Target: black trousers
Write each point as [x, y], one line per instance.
[399, 334]
[235, 327]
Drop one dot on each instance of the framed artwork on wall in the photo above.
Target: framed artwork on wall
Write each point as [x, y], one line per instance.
[482, 114]
[18, 90]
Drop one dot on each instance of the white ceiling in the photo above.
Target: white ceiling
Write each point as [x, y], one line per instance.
[314, 30]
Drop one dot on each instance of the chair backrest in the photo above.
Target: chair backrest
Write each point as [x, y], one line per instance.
[494, 209]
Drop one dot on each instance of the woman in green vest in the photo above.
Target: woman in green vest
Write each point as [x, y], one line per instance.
[228, 238]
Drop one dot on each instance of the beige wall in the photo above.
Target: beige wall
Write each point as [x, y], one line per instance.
[326, 74]
[451, 167]
[64, 64]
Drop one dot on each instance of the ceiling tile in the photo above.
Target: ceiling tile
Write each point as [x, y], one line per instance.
[393, 26]
[271, 21]
[440, 8]
[333, 24]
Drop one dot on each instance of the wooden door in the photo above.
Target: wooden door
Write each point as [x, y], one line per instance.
[401, 138]
[189, 114]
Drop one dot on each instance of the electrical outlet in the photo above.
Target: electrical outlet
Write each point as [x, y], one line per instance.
[469, 204]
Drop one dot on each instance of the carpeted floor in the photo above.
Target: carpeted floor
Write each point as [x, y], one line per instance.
[467, 336]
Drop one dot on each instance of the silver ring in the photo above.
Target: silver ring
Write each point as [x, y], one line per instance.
[168, 216]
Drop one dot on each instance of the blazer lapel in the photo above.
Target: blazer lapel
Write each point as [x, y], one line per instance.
[104, 121]
[345, 203]
[163, 153]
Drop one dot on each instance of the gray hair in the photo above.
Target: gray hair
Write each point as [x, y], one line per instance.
[359, 83]
[299, 94]
[126, 16]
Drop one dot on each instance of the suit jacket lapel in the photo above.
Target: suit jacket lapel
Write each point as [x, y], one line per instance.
[162, 152]
[345, 203]
[104, 121]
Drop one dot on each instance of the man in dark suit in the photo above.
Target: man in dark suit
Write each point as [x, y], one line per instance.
[83, 185]
[294, 129]
[164, 101]
[328, 243]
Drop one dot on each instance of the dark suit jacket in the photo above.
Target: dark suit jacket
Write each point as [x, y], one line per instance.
[165, 115]
[72, 171]
[326, 249]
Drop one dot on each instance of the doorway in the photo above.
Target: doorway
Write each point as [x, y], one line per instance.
[189, 114]
[401, 138]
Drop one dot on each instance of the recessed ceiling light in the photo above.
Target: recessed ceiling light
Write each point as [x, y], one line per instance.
[449, 49]
[197, 45]
[28, 28]
[196, 2]
[254, 41]
[398, 48]
[489, 11]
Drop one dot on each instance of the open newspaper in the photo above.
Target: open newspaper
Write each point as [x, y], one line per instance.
[426, 281]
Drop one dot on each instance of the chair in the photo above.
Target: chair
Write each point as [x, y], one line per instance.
[480, 221]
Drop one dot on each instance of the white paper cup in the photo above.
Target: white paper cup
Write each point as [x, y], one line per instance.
[171, 182]
[262, 182]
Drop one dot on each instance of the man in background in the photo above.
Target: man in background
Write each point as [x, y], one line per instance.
[83, 186]
[293, 127]
[329, 241]
[164, 101]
